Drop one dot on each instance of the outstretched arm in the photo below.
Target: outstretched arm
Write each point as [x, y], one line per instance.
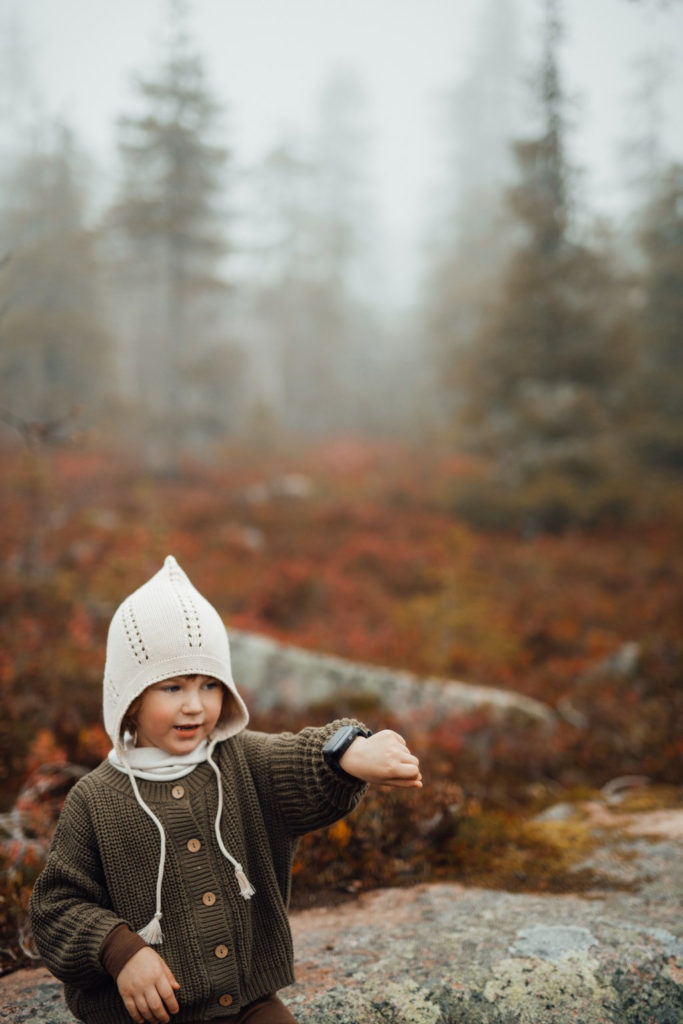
[384, 759]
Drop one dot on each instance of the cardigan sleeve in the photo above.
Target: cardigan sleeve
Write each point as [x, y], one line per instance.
[70, 910]
[291, 767]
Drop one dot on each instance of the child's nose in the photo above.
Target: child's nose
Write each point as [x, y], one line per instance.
[192, 702]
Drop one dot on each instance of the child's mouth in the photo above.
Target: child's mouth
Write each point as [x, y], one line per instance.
[186, 728]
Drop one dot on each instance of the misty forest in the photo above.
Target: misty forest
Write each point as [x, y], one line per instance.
[484, 483]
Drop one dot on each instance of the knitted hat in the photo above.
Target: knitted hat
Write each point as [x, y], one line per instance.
[165, 629]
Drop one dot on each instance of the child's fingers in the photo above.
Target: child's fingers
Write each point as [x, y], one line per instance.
[165, 990]
[170, 977]
[154, 1005]
[406, 766]
[153, 1009]
[404, 775]
[139, 1010]
[398, 783]
[133, 1011]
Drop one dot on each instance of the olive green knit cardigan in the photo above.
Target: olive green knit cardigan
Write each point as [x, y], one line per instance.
[102, 868]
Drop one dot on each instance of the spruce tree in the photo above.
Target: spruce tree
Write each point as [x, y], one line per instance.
[318, 339]
[542, 383]
[470, 238]
[167, 233]
[659, 434]
[54, 348]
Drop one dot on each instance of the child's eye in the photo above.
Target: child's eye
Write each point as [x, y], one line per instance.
[211, 684]
[170, 688]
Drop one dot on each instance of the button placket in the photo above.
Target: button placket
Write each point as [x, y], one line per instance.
[201, 882]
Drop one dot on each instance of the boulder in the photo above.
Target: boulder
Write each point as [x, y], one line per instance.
[277, 676]
[447, 954]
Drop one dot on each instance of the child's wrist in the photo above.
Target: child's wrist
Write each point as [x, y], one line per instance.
[118, 948]
[336, 749]
[351, 761]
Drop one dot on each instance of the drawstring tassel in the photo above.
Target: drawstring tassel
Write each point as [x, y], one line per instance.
[151, 933]
[246, 888]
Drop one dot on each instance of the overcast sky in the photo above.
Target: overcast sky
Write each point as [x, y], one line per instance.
[267, 61]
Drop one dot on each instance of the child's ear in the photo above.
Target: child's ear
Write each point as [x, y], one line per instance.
[129, 721]
[229, 706]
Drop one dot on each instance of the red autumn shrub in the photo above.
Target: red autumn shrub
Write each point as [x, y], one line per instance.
[364, 558]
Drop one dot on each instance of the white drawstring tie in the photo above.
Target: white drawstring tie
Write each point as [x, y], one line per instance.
[152, 933]
[246, 888]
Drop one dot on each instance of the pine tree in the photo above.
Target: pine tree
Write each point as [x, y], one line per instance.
[167, 232]
[54, 352]
[543, 382]
[659, 433]
[471, 235]
[316, 334]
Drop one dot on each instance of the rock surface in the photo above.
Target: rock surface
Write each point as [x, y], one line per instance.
[446, 954]
[274, 675]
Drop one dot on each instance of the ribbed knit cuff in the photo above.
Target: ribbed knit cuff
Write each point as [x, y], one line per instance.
[118, 947]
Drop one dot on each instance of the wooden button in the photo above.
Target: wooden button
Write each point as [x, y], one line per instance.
[221, 951]
[208, 899]
[225, 1000]
[193, 845]
[177, 792]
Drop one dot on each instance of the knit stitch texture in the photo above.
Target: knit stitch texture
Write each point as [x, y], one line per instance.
[102, 869]
[163, 629]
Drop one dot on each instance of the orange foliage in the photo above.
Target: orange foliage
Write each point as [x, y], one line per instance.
[368, 561]
[44, 750]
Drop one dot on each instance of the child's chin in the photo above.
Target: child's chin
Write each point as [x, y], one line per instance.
[179, 744]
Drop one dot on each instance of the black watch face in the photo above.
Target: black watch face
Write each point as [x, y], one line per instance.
[341, 739]
[349, 734]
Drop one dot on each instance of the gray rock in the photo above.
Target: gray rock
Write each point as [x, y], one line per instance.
[550, 942]
[623, 663]
[446, 954]
[275, 675]
[557, 812]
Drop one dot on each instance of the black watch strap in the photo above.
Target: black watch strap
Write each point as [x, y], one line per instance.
[338, 744]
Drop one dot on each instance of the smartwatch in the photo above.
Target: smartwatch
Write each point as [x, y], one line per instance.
[338, 744]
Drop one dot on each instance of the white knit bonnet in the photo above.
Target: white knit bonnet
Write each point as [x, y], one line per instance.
[166, 629]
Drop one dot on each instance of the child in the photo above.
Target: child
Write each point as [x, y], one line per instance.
[166, 888]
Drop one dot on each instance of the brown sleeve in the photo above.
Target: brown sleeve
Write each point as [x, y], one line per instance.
[118, 947]
[291, 769]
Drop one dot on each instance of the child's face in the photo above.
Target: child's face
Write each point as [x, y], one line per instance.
[177, 714]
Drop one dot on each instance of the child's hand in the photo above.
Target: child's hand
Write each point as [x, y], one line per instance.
[147, 987]
[384, 759]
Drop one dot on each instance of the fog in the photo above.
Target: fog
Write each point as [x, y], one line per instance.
[351, 207]
[267, 63]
